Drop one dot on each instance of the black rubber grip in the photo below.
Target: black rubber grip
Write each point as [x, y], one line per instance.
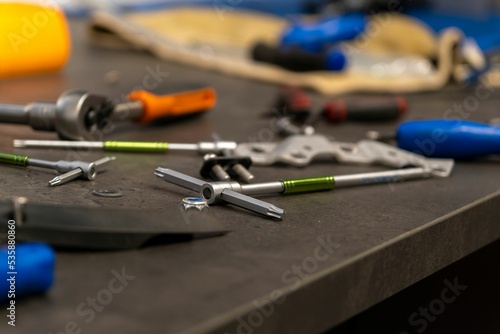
[366, 109]
[293, 59]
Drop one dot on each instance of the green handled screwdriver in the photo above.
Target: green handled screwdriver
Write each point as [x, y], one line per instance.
[129, 146]
[71, 169]
[224, 191]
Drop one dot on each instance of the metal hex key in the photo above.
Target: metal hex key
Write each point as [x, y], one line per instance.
[237, 194]
[70, 169]
[219, 192]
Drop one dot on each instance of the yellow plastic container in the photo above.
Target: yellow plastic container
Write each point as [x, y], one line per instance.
[33, 38]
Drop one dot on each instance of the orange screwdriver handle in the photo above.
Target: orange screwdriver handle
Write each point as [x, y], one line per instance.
[179, 104]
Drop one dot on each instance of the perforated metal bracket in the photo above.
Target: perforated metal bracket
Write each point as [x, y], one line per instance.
[302, 150]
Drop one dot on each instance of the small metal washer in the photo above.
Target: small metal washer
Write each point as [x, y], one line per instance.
[111, 193]
[194, 202]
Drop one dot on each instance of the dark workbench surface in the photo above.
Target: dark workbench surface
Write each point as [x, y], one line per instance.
[385, 237]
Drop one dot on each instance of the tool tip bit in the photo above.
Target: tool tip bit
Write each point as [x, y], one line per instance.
[18, 143]
[275, 212]
[160, 171]
[55, 181]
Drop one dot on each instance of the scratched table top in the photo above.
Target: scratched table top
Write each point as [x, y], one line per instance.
[334, 254]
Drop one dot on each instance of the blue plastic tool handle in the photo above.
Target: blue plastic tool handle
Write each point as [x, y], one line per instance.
[33, 268]
[335, 59]
[315, 37]
[455, 139]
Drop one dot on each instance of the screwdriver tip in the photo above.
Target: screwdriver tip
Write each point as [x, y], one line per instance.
[275, 212]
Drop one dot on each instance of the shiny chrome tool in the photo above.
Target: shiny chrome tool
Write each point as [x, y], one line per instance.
[80, 115]
[71, 169]
[239, 194]
[129, 146]
[220, 192]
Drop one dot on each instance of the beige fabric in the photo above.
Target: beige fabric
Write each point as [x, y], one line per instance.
[203, 38]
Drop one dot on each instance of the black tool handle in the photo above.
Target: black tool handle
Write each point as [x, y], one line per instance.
[292, 59]
[365, 110]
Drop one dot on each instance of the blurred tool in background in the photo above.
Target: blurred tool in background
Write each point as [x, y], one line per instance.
[79, 115]
[312, 46]
[320, 35]
[31, 264]
[293, 108]
[388, 52]
[69, 170]
[455, 139]
[298, 60]
[365, 109]
[293, 102]
[35, 38]
[336, 7]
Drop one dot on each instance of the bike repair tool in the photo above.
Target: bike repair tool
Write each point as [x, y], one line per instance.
[291, 102]
[373, 109]
[70, 169]
[99, 228]
[302, 150]
[226, 192]
[456, 139]
[28, 266]
[317, 36]
[222, 168]
[312, 46]
[294, 103]
[238, 194]
[128, 146]
[297, 60]
[79, 115]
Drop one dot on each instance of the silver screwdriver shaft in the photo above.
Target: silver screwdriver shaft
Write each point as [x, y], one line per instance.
[241, 171]
[235, 193]
[128, 146]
